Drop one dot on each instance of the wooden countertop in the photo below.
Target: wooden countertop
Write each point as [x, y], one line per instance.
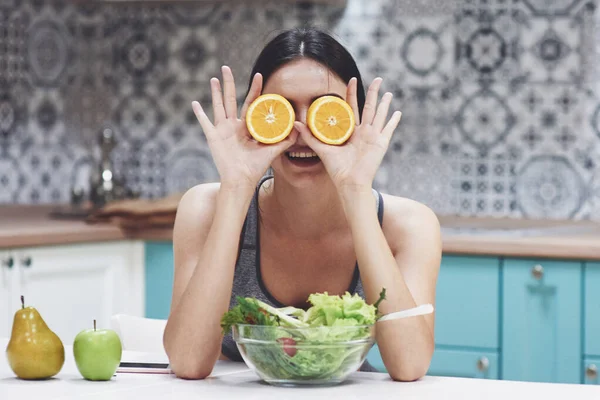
[29, 226]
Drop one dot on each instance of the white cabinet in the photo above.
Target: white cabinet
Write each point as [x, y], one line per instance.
[6, 292]
[72, 285]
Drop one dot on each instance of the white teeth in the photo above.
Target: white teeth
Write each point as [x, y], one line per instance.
[296, 154]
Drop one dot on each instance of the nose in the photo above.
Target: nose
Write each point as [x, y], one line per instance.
[301, 114]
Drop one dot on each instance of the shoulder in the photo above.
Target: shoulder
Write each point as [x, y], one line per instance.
[196, 208]
[199, 198]
[405, 219]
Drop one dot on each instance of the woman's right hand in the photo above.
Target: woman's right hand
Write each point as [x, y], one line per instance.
[240, 160]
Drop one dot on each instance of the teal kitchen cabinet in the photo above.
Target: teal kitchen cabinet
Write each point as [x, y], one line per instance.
[158, 279]
[467, 302]
[592, 309]
[467, 319]
[590, 371]
[453, 362]
[541, 329]
[465, 363]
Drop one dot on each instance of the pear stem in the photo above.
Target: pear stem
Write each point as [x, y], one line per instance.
[22, 301]
[94, 325]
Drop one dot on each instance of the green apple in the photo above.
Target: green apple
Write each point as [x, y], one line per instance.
[97, 353]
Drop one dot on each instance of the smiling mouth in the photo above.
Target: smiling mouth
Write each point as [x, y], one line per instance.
[303, 158]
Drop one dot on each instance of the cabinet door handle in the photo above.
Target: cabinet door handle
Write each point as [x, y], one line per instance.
[26, 262]
[537, 271]
[8, 263]
[591, 371]
[483, 364]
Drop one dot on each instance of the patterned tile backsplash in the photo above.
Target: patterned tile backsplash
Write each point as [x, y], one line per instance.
[501, 98]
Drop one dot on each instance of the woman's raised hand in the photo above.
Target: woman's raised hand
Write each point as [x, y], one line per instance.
[354, 164]
[240, 160]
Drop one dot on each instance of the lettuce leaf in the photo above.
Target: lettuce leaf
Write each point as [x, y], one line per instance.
[326, 310]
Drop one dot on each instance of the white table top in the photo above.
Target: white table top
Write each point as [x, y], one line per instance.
[234, 380]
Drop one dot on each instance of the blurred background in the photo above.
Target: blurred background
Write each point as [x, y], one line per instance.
[501, 112]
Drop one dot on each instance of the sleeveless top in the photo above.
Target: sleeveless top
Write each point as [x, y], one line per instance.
[247, 279]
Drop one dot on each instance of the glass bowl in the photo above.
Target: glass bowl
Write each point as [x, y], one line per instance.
[304, 356]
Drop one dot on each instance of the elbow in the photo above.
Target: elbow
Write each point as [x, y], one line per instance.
[409, 373]
[185, 364]
[191, 372]
[413, 369]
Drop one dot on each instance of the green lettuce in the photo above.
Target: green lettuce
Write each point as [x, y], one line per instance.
[326, 310]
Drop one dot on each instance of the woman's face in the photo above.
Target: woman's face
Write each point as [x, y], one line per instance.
[301, 82]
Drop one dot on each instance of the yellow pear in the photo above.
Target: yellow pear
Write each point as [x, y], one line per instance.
[34, 351]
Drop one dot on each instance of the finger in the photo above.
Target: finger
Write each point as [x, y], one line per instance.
[217, 99]
[253, 93]
[202, 117]
[382, 112]
[311, 141]
[371, 101]
[280, 147]
[391, 126]
[352, 98]
[229, 92]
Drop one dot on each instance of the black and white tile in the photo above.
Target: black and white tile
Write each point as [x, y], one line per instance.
[14, 113]
[371, 46]
[549, 186]
[484, 117]
[48, 170]
[422, 178]
[241, 34]
[426, 50]
[500, 98]
[12, 178]
[46, 119]
[484, 185]
[88, 106]
[13, 42]
[551, 118]
[552, 8]
[187, 167]
[488, 41]
[553, 50]
[193, 56]
[427, 121]
[49, 52]
[139, 117]
[141, 164]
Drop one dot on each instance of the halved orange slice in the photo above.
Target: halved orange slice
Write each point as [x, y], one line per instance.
[331, 120]
[270, 118]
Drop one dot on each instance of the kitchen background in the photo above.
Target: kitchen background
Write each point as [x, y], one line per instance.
[500, 99]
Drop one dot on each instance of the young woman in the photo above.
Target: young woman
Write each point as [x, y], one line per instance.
[314, 225]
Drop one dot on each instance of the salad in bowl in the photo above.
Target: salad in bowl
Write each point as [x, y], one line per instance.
[291, 346]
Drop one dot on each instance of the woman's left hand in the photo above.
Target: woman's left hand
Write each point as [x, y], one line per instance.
[352, 166]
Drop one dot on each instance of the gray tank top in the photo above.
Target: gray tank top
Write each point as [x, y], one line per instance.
[247, 279]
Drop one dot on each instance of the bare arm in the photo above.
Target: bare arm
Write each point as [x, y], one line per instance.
[410, 272]
[207, 230]
[206, 237]
[410, 276]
